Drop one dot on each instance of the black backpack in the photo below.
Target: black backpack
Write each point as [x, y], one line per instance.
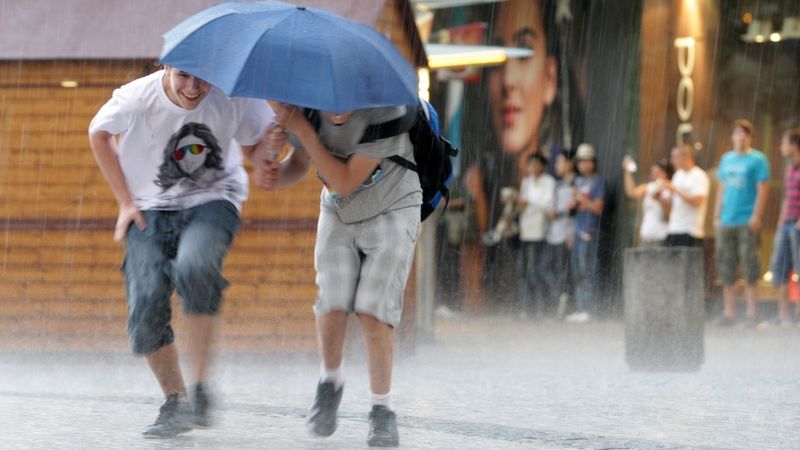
[431, 152]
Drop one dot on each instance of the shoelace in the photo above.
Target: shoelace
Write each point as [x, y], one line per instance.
[164, 413]
[326, 397]
[380, 419]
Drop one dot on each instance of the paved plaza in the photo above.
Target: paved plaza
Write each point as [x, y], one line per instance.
[486, 383]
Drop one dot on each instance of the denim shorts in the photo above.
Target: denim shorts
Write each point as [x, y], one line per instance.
[178, 250]
[782, 257]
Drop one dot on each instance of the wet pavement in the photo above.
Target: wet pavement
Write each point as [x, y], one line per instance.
[485, 383]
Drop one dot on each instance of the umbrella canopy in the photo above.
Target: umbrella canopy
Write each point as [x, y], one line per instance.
[304, 56]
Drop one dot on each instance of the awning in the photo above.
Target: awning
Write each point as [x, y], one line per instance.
[441, 56]
[439, 4]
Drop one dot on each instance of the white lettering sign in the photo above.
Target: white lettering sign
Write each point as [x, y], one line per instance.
[685, 96]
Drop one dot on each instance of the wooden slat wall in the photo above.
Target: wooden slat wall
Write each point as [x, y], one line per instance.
[60, 285]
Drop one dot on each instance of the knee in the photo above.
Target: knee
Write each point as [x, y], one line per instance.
[146, 338]
[372, 326]
[199, 284]
[194, 269]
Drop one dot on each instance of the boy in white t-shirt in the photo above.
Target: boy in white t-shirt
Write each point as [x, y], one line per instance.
[178, 178]
[536, 197]
[689, 187]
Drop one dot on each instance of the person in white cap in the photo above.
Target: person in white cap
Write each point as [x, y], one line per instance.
[589, 195]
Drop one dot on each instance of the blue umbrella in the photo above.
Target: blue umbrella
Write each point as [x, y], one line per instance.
[303, 56]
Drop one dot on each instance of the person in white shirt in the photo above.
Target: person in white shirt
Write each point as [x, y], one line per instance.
[689, 188]
[655, 200]
[535, 200]
[177, 175]
[560, 234]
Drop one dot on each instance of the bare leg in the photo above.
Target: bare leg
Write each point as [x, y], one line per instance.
[164, 364]
[331, 329]
[752, 299]
[729, 301]
[380, 352]
[783, 302]
[200, 328]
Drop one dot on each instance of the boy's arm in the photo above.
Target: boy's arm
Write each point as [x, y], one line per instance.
[343, 178]
[762, 192]
[718, 202]
[269, 173]
[631, 190]
[594, 206]
[694, 198]
[104, 148]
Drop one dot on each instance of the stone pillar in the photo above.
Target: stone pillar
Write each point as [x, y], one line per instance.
[426, 279]
[664, 311]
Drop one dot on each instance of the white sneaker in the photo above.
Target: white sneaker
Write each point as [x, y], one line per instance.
[562, 306]
[578, 317]
[443, 312]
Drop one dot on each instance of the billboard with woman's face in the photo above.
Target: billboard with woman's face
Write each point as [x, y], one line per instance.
[525, 106]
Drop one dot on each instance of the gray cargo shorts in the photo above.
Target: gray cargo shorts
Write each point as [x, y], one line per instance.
[737, 245]
[363, 267]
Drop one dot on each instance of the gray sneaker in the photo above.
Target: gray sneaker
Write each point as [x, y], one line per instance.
[167, 424]
[196, 414]
[322, 418]
[750, 323]
[724, 322]
[382, 428]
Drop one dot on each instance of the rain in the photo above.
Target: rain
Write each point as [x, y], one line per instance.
[611, 268]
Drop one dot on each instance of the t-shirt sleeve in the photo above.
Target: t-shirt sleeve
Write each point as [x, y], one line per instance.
[721, 170]
[384, 148]
[256, 118]
[117, 114]
[762, 172]
[700, 184]
[598, 189]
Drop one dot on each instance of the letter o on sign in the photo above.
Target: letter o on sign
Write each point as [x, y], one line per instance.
[685, 99]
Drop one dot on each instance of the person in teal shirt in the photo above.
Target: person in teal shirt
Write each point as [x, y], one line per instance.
[742, 195]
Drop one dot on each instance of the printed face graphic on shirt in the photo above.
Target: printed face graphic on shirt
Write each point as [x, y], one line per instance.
[191, 156]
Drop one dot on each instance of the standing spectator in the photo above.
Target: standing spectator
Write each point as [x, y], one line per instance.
[742, 196]
[787, 238]
[535, 199]
[689, 187]
[560, 234]
[654, 197]
[588, 202]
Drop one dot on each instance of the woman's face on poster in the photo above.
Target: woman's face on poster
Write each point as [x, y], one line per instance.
[522, 88]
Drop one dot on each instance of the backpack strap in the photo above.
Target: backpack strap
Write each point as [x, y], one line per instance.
[377, 131]
[399, 160]
[382, 130]
[392, 127]
[313, 117]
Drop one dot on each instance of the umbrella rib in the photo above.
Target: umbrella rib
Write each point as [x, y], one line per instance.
[249, 54]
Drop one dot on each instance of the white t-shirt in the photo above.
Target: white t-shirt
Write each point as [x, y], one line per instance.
[685, 218]
[654, 224]
[563, 226]
[538, 194]
[174, 158]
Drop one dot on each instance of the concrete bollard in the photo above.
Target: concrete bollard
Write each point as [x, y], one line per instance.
[664, 311]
